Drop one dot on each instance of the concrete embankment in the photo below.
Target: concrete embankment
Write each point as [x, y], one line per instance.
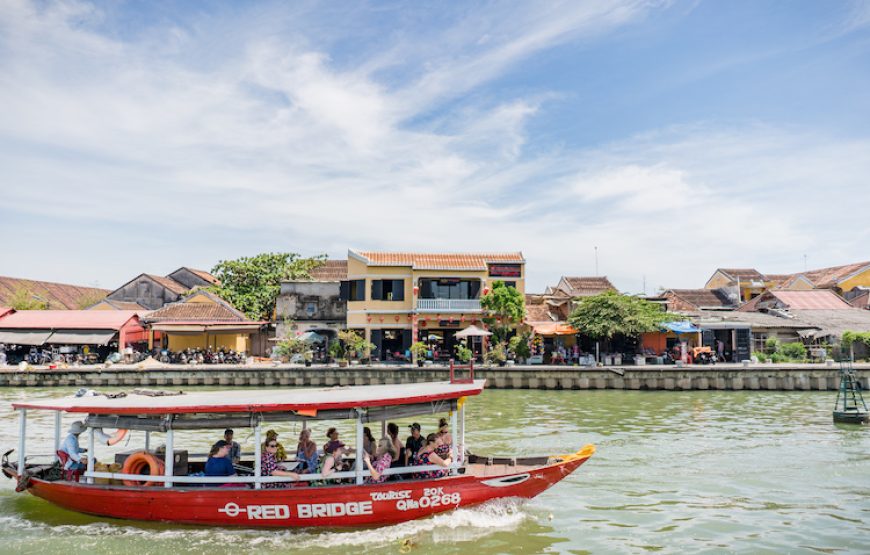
[719, 377]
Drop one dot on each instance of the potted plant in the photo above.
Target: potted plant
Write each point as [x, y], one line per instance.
[463, 353]
[519, 347]
[336, 352]
[419, 351]
[497, 354]
[354, 345]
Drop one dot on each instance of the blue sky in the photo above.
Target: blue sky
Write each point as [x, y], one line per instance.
[675, 136]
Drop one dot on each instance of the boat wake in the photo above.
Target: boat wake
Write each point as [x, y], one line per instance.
[460, 525]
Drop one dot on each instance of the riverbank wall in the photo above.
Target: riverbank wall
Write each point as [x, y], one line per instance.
[735, 377]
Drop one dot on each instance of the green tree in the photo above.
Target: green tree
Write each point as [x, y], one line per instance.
[252, 284]
[610, 313]
[24, 299]
[505, 309]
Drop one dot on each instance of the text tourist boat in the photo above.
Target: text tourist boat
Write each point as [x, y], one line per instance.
[344, 500]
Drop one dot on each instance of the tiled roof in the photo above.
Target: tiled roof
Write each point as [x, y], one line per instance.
[862, 300]
[834, 322]
[203, 274]
[168, 283]
[330, 270]
[438, 261]
[778, 279]
[217, 311]
[58, 295]
[122, 305]
[829, 277]
[587, 286]
[702, 298]
[67, 319]
[813, 299]
[743, 273]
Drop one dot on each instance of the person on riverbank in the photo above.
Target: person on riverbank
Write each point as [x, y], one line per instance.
[413, 444]
[428, 456]
[385, 454]
[306, 452]
[269, 466]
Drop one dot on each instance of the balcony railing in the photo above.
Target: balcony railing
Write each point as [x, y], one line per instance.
[448, 305]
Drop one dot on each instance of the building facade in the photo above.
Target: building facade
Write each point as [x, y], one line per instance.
[395, 299]
[313, 305]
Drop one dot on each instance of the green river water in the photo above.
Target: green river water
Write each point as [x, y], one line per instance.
[675, 472]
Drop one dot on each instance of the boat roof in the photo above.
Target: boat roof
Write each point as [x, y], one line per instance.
[262, 400]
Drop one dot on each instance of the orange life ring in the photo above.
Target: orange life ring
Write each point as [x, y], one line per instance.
[117, 436]
[144, 463]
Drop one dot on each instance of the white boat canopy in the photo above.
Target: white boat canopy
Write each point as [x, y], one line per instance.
[302, 401]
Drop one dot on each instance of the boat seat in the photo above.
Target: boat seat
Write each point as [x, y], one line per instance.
[68, 475]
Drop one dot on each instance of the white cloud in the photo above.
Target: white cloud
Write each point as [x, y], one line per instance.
[126, 151]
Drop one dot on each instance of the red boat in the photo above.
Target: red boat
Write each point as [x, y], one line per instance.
[249, 500]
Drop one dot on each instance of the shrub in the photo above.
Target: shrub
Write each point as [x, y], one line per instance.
[463, 353]
[771, 345]
[419, 350]
[794, 351]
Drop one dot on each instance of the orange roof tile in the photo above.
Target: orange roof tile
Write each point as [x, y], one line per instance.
[437, 261]
[58, 295]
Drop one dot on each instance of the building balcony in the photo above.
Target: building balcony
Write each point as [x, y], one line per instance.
[448, 305]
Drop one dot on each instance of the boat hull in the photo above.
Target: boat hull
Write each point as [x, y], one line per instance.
[334, 506]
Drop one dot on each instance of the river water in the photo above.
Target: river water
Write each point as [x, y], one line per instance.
[675, 472]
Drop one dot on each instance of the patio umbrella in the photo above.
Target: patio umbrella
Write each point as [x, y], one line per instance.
[312, 337]
[472, 331]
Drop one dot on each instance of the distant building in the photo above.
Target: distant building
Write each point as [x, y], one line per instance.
[313, 305]
[152, 292]
[690, 300]
[752, 283]
[398, 298]
[55, 296]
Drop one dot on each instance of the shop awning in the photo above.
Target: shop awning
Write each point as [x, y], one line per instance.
[76, 337]
[681, 327]
[22, 337]
[553, 328]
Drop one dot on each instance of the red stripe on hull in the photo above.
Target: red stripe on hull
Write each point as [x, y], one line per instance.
[337, 506]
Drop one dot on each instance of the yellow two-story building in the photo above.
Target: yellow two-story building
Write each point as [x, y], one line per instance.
[394, 299]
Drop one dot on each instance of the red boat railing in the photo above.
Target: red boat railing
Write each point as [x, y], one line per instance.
[454, 378]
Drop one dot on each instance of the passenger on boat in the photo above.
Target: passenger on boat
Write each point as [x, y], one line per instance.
[385, 454]
[331, 435]
[218, 463]
[70, 446]
[443, 449]
[428, 455]
[306, 452]
[234, 453]
[280, 454]
[369, 444]
[269, 465]
[393, 433]
[413, 444]
[331, 462]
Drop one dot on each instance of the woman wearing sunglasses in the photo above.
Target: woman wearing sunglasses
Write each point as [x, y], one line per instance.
[269, 466]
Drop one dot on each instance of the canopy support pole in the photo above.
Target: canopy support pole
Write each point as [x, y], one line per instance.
[91, 455]
[359, 447]
[169, 457]
[22, 434]
[462, 432]
[57, 417]
[147, 440]
[454, 433]
[258, 462]
[383, 428]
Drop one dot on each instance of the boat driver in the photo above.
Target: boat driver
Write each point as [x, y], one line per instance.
[70, 446]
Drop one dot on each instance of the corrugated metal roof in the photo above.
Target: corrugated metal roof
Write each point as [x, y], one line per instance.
[67, 319]
[813, 299]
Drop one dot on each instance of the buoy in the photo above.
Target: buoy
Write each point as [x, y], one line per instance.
[143, 462]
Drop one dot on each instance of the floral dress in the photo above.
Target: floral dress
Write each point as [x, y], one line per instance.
[268, 465]
[381, 464]
[422, 459]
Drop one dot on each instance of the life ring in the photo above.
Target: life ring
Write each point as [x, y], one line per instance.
[144, 463]
[117, 436]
